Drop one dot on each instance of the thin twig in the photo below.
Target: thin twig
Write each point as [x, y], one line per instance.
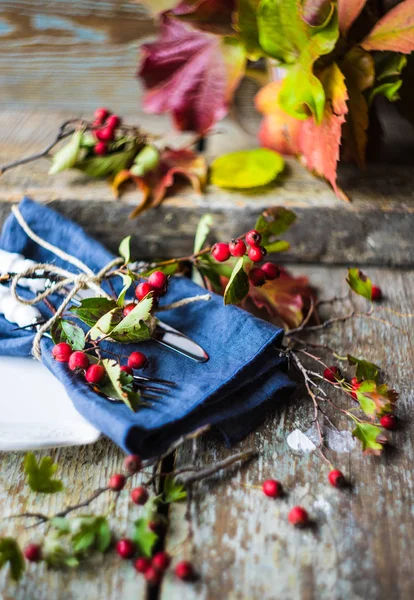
[223, 464]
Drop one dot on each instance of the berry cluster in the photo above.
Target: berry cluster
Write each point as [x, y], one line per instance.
[154, 568]
[250, 246]
[105, 125]
[157, 284]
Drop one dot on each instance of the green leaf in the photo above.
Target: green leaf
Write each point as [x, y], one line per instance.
[92, 533]
[360, 283]
[370, 436]
[106, 324]
[278, 246]
[62, 524]
[127, 281]
[374, 399]
[389, 90]
[364, 369]
[10, 553]
[173, 490]
[66, 331]
[388, 67]
[125, 250]
[68, 156]
[92, 309]
[55, 553]
[133, 327]
[144, 538]
[145, 161]
[246, 25]
[119, 385]
[246, 168]
[238, 285]
[274, 221]
[169, 269]
[39, 476]
[203, 229]
[102, 166]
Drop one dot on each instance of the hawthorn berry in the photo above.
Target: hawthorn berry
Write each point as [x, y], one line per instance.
[256, 253]
[153, 576]
[113, 121]
[78, 360]
[127, 369]
[332, 374]
[106, 134]
[298, 516]
[62, 352]
[257, 277]
[253, 238]
[137, 360]
[156, 527]
[157, 280]
[125, 548]
[184, 570]
[139, 495]
[272, 271]
[355, 384]
[376, 293]
[100, 149]
[142, 564]
[221, 252]
[336, 478]
[128, 308]
[161, 561]
[33, 552]
[117, 482]
[388, 422]
[272, 488]
[95, 373]
[237, 248]
[133, 463]
[142, 290]
[101, 114]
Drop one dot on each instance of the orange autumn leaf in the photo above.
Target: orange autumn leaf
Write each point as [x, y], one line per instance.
[394, 31]
[348, 11]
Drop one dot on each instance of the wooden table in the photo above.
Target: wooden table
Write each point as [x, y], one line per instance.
[57, 57]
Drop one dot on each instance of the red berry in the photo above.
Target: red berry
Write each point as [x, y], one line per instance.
[139, 495]
[256, 253]
[156, 527]
[157, 280]
[128, 308]
[117, 482]
[78, 360]
[376, 293]
[253, 238]
[126, 548]
[336, 478]
[106, 134]
[355, 384]
[142, 564]
[332, 374]
[62, 352]
[132, 463]
[113, 121]
[272, 488]
[152, 576]
[101, 114]
[388, 422]
[95, 373]
[257, 277]
[161, 561]
[100, 149]
[298, 516]
[137, 360]
[142, 290]
[33, 552]
[221, 252]
[127, 369]
[271, 270]
[184, 570]
[237, 248]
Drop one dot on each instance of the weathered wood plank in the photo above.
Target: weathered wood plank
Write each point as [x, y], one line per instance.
[361, 544]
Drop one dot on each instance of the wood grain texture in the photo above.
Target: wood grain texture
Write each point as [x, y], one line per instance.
[361, 547]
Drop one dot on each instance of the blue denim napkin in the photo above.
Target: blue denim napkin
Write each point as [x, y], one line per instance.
[244, 378]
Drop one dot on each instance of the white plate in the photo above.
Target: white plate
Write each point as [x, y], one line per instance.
[35, 411]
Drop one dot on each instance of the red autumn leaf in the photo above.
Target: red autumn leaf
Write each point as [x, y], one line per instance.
[348, 11]
[286, 299]
[154, 185]
[278, 131]
[394, 31]
[191, 74]
[320, 144]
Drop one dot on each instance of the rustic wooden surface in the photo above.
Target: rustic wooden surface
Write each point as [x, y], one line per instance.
[361, 546]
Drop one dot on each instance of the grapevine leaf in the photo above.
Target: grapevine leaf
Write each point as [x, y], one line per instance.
[174, 491]
[68, 156]
[359, 283]
[10, 553]
[364, 369]
[371, 437]
[246, 168]
[39, 475]
[92, 309]
[374, 399]
[348, 12]
[125, 249]
[119, 385]
[203, 229]
[238, 285]
[394, 31]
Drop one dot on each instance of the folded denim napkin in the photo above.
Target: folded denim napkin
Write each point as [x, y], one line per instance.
[243, 379]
